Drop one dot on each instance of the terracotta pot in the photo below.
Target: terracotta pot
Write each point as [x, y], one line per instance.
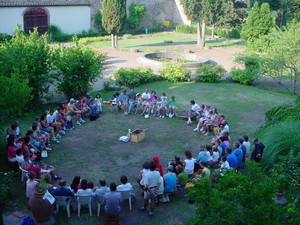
[41, 208]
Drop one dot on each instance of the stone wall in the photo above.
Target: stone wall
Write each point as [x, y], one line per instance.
[156, 10]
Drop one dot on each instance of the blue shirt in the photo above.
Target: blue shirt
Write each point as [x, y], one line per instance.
[223, 146]
[112, 202]
[62, 191]
[232, 160]
[170, 182]
[202, 157]
[239, 155]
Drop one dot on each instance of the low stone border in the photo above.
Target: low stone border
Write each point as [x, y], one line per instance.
[146, 59]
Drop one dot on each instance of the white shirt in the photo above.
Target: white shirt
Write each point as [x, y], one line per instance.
[247, 145]
[152, 178]
[146, 96]
[87, 192]
[224, 167]
[161, 188]
[226, 127]
[143, 176]
[20, 158]
[195, 107]
[52, 117]
[215, 156]
[209, 156]
[189, 165]
[124, 187]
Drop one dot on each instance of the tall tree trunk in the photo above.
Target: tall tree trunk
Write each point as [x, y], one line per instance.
[116, 41]
[198, 34]
[203, 34]
[113, 41]
[213, 31]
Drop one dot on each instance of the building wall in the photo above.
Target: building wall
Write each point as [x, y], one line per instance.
[70, 19]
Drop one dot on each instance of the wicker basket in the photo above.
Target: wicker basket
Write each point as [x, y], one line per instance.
[137, 135]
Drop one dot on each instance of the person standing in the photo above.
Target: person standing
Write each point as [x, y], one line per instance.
[258, 150]
[112, 204]
[152, 184]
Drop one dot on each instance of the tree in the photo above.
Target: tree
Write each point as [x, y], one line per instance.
[136, 14]
[30, 57]
[205, 11]
[274, 4]
[279, 55]
[229, 17]
[79, 67]
[113, 18]
[259, 22]
[237, 199]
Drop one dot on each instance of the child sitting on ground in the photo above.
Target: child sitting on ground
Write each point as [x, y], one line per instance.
[172, 106]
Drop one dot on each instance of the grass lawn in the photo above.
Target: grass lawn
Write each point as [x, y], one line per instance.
[155, 41]
[93, 152]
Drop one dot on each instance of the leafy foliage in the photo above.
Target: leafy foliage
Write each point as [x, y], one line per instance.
[282, 113]
[186, 29]
[15, 94]
[175, 72]
[113, 15]
[79, 67]
[287, 138]
[259, 22]
[133, 77]
[250, 73]
[30, 57]
[228, 33]
[237, 199]
[6, 180]
[209, 73]
[136, 14]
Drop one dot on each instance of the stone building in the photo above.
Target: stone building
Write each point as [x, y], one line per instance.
[74, 16]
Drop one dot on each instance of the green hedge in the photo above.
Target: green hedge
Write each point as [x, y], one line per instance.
[133, 77]
[175, 72]
[228, 33]
[209, 73]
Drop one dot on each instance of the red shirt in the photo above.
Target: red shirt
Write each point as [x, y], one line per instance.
[36, 170]
[11, 152]
[159, 166]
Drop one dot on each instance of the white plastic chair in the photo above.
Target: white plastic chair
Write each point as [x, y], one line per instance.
[63, 201]
[84, 200]
[24, 173]
[100, 201]
[126, 195]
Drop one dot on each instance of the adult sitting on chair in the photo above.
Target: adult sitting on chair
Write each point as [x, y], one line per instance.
[62, 190]
[112, 204]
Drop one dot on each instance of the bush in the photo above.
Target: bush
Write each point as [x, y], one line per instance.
[15, 94]
[251, 71]
[228, 33]
[282, 113]
[136, 14]
[31, 58]
[133, 77]
[279, 139]
[175, 72]
[237, 199]
[209, 73]
[186, 29]
[79, 67]
[6, 183]
[4, 37]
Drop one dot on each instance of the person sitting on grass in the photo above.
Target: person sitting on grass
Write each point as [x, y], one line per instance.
[41, 169]
[29, 149]
[146, 101]
[182, 177]
[73, 110]
[53, 122]
[39, 145]
[102, 189]
[152, 184]
[215, 154]
[192, 112]
[31, 184]
[205, 174]
[47, 128]
[169, 182]
[211, 122]
[202, 156]
[112, 204]
[138, 102]
[175, 162]
[153, 104]
[19, 156]
[189, 164]
[238, 153]
[224, 166]
[172, 107]
[62, 190]
[231, 158]
[27, 162]
[11, 149]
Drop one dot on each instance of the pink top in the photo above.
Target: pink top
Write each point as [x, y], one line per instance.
[11, 152]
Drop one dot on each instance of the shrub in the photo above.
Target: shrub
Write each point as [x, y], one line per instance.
[30, 57]
[136, 14]
[251, 71]
[243, 199]
[133, 77]
[4, 37]
[79, 67]
[6, 183]
[186, 29]
[209, 73]
[175, 72]
[228, 33]
[279, 139]
[15, 94]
